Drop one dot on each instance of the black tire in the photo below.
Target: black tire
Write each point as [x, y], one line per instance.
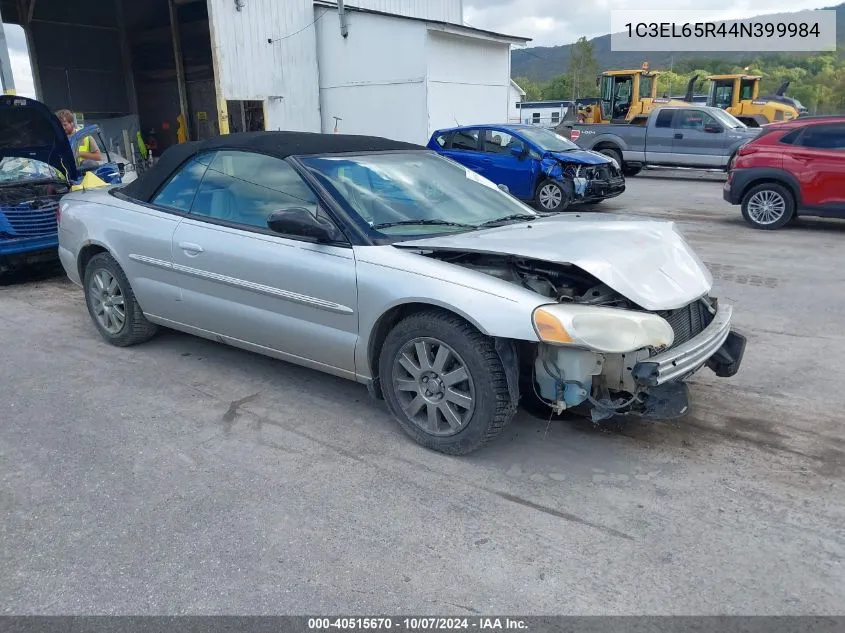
[612, 153]
[546, 193]
[135, 328]
[630, 172]
[493, 407]
[778, 194]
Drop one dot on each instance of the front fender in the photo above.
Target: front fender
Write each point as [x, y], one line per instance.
[390, 277]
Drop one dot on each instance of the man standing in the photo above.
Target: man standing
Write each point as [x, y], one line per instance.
[87, 150]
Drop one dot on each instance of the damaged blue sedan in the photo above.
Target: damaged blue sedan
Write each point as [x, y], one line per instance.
[532, 163]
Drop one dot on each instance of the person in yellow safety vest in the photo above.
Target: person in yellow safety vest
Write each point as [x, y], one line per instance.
[87, 149]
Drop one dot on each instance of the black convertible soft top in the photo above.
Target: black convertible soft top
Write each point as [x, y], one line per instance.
[279, 144]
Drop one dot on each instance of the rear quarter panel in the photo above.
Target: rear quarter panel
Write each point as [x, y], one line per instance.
[138, 237]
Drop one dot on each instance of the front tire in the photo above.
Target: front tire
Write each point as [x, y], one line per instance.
[444, 383]
[630, 172]
[551, 197]
[768, 206]
[112, 304]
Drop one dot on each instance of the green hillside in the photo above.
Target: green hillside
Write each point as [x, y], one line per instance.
[544, 63]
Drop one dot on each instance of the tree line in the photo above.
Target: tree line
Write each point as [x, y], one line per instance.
[817, 81]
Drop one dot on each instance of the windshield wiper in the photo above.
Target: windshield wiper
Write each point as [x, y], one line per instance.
[386, 225]
[507, 218]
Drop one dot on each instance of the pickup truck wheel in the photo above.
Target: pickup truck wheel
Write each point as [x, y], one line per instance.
[768, 206]
[112, 304]
[631, 171]
[612, 153]
[551, 197]
[445, 383]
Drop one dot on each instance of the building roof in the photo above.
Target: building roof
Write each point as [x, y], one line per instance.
[458, 29]
[516, 85]
[545, 104]
[278, 144]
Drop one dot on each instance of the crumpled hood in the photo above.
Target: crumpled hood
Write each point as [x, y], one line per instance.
[647, 261]
[28, 129]
[580, 157]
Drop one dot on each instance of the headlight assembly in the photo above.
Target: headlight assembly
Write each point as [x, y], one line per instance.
[607, 330]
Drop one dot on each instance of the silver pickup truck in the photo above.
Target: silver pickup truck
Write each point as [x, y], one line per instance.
[697, 137]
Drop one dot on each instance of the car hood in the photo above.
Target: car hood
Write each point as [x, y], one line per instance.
[580, 157]
[28, 129]
[647, 261]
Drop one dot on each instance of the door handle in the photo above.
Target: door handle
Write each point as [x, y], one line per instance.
[679, 135]
[190, 247]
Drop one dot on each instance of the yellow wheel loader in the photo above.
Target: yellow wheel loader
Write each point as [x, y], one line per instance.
[740, 96]
[625, 95]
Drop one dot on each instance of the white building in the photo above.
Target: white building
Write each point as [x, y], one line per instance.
[517, 94]
[544, 113]
[197, 68]
[397, 68]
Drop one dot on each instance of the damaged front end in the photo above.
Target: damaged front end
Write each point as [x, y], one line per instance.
[583, 182]
[28, 222]
[601, 353]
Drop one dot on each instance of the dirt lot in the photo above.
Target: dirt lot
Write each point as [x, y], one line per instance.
[186, 477]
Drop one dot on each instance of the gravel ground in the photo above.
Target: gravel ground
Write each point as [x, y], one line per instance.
[183, 476]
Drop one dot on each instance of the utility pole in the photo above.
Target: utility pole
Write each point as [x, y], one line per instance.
[6, 79]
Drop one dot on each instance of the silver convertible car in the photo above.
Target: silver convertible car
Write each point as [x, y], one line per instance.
[387, 264]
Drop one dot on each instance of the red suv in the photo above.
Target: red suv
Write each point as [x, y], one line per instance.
[792, 168]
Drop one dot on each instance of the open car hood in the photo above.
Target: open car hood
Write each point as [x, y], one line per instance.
[28, 129]
[647, 261]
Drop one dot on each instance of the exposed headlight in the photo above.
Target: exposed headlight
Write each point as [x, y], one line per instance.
[608, 330]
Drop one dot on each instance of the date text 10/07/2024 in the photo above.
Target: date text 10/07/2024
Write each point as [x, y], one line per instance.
[417, 624]
[712, 29]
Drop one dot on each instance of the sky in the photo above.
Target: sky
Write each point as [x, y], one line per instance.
[546, 22]
[553, 22]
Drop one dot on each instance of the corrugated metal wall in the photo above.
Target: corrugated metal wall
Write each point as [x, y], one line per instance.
[283, 73]
[441, 10]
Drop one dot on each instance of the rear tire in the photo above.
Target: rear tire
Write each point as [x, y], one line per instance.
[612, 153]
[768, 206]
[444, 383]
[112, 304]
[630, 171]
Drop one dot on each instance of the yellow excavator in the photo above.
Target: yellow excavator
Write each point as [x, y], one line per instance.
[740, 96]
[625, 95]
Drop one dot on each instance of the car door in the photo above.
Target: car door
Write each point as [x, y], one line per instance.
[817, 158]
[502, 166]
[240, 280]
[465, 148]
[660, 138]
[698, 139]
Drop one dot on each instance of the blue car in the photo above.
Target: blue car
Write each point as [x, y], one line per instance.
[37, 167]
[535, 164]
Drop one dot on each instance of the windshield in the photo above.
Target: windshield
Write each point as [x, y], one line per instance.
[548, 140]
[23, 169]
[414, 193]
[727, 118]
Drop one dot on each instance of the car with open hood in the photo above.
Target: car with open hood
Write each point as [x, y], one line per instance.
[37, 167]
[388, 264]
[533, 163]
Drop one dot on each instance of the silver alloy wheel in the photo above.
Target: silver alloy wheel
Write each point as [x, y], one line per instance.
[550, 196]
[766, 207]
[433, 386]
[107, 301]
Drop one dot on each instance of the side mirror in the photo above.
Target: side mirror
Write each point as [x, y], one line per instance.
[714, 128]
[518, 151]
[300, 222]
